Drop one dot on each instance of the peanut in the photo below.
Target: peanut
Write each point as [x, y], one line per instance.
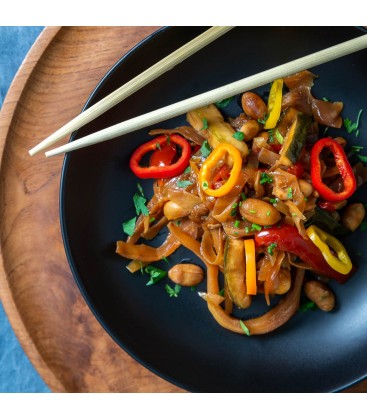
[253, 105]
[353, 216]
[320, 294]
[305, 187]
[186, 274]
[259, 212]
[250, 129]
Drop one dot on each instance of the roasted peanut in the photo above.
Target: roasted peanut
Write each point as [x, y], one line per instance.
[186, 274]
[320, 294]
[280, 285]
[353, 216]
[283, 282]
[253, 105]
[259, 212]
[250, 129]
[305, 187]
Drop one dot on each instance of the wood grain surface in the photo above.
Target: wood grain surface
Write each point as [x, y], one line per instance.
[54, 325]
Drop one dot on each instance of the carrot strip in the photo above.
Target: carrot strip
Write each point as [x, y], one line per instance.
[250, 266]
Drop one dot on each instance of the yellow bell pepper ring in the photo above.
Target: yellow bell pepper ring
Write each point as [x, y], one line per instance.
[212, 161]
[324, 241]
[274, 104]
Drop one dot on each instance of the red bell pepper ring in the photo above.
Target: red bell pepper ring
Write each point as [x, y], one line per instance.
[344, 168]
[160, 171]
[288, 239]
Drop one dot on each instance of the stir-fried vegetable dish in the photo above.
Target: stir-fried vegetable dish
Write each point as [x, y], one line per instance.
[261, 198]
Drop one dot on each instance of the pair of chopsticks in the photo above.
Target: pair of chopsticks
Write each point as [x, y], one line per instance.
[198, 101]
[134, 85]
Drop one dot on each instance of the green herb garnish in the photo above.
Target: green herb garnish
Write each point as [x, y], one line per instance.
[140, 189]
[244, 328]
[264, 178]
[351, 126]
[289, 193]
[139, 203]
[263, 121]
[129, 226]
[205, 149]
[205, 124]
[307, 305]
[271, 248]
[183, 184]
[255, 226]
[238, 135]
[224, 102]
[279, 137]
[173, 292]
[155, 274]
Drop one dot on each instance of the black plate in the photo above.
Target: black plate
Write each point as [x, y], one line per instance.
[177, 338]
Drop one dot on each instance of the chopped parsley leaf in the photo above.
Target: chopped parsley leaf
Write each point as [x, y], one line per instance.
[183, 184]
[187, 170]
[205, 185]
[307, 305]
[264, 178]
[173, 292]
[205, 125]
[205, 149]
[155, 274]
[129, 226]
[351, 126]
[362, 158]
[236, 223]
[140, 206]
[289, 192]
[224, 102]
[263, 121]
[238, 135]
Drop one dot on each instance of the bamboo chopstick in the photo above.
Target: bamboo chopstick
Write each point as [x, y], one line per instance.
[133, 85]
[215, 95]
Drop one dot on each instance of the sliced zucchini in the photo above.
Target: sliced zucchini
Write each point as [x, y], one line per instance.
[327, 223]
[295, 138]
[235, 272]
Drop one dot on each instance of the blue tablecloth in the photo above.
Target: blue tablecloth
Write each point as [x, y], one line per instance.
[16, 372]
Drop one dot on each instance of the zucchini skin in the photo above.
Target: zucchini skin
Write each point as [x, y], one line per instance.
[235, 272]
[296, 137]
